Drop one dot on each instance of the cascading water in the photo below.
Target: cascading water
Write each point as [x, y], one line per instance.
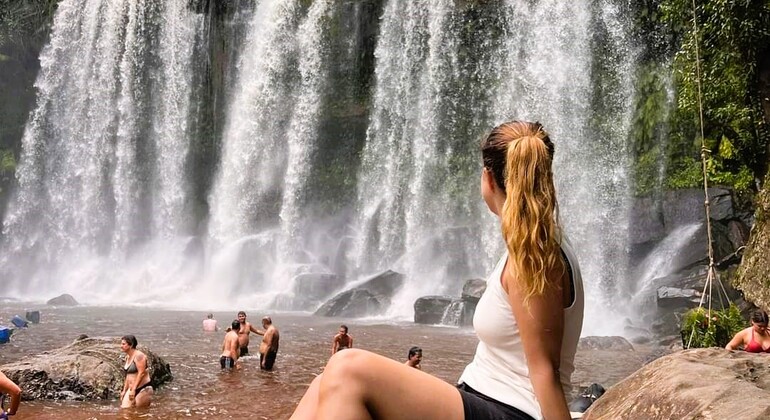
[541, 69]
[104, 153]
[107, 196]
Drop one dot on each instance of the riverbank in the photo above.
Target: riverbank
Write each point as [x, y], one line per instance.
[200, 390]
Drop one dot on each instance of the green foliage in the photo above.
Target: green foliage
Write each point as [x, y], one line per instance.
[701, 331]
[25, 21]
[7, 162]
[649, 125]
[731, 38]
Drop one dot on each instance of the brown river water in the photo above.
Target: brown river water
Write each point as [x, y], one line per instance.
[201, 391]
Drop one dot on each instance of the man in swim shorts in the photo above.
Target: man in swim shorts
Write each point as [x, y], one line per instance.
[243, 333]
[230, 347]
[268, 348]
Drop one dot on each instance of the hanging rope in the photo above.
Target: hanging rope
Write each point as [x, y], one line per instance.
[704, 154]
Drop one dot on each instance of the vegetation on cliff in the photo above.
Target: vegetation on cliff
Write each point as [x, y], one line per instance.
[732, 43]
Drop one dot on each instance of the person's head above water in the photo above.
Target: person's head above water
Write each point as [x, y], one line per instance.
[236, 325]
[343, 329]
[414, 351]
[266, 321]
[241, 316]
[517, 185]
[210, 316]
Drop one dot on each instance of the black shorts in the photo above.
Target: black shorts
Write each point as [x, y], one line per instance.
[269, 360]
[226, 362]
[478, 406]
[244, 351]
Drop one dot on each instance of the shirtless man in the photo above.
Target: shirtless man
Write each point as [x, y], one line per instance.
[210, 324]
[243, 333]
[268, 349]
[342, 340]
[414, 357]
[230, 348]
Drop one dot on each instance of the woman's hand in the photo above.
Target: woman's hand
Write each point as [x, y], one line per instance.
[131, 394]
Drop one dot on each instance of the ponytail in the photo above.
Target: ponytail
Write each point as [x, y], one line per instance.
[528, 217]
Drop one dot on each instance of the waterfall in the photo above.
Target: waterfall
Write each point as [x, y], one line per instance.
[343, 141]
[539, 69]
[104, 152]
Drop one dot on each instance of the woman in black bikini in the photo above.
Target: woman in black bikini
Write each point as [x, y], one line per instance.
[137, 391]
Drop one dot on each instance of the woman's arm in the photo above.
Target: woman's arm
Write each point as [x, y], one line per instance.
[737, 341]
[10, 388]
[541, 325]
[335, 344]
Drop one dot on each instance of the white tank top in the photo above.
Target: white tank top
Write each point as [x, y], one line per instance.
[499, 368]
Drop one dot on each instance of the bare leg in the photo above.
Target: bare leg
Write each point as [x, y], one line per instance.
[357, 384]
[144, 398]
[308, 405]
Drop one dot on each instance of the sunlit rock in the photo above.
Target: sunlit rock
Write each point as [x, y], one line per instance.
[89, 368]
[708, 383]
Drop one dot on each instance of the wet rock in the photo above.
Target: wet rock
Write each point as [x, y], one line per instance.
[699, 383]
[317, 285]
[737, 233]
[614, 343]
[63, 300]
[431, 309]
[369, 298]
[672, 297]
[473, 289]
[89, 368]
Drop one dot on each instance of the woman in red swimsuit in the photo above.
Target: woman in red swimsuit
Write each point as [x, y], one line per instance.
[754, 339]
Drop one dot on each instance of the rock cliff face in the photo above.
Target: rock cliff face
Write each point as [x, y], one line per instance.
[708, 383]
[754, 273]
[89, 368]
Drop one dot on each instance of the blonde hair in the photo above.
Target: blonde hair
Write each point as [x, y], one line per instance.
[520, 155]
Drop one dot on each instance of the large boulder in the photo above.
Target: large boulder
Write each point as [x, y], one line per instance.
[308, 291]
[708, 383]
[431, 309]
[89, 368]
[371, 297]
[63, 300]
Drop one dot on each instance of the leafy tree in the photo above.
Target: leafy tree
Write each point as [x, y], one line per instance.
[732, 37]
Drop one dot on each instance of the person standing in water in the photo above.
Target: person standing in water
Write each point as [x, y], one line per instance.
[414, 358]
[528, 320]
[210, 324]
[137, 388]
[243, 333]
[8, 387]
[268, 348]
[230, 347]
[342, 340]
